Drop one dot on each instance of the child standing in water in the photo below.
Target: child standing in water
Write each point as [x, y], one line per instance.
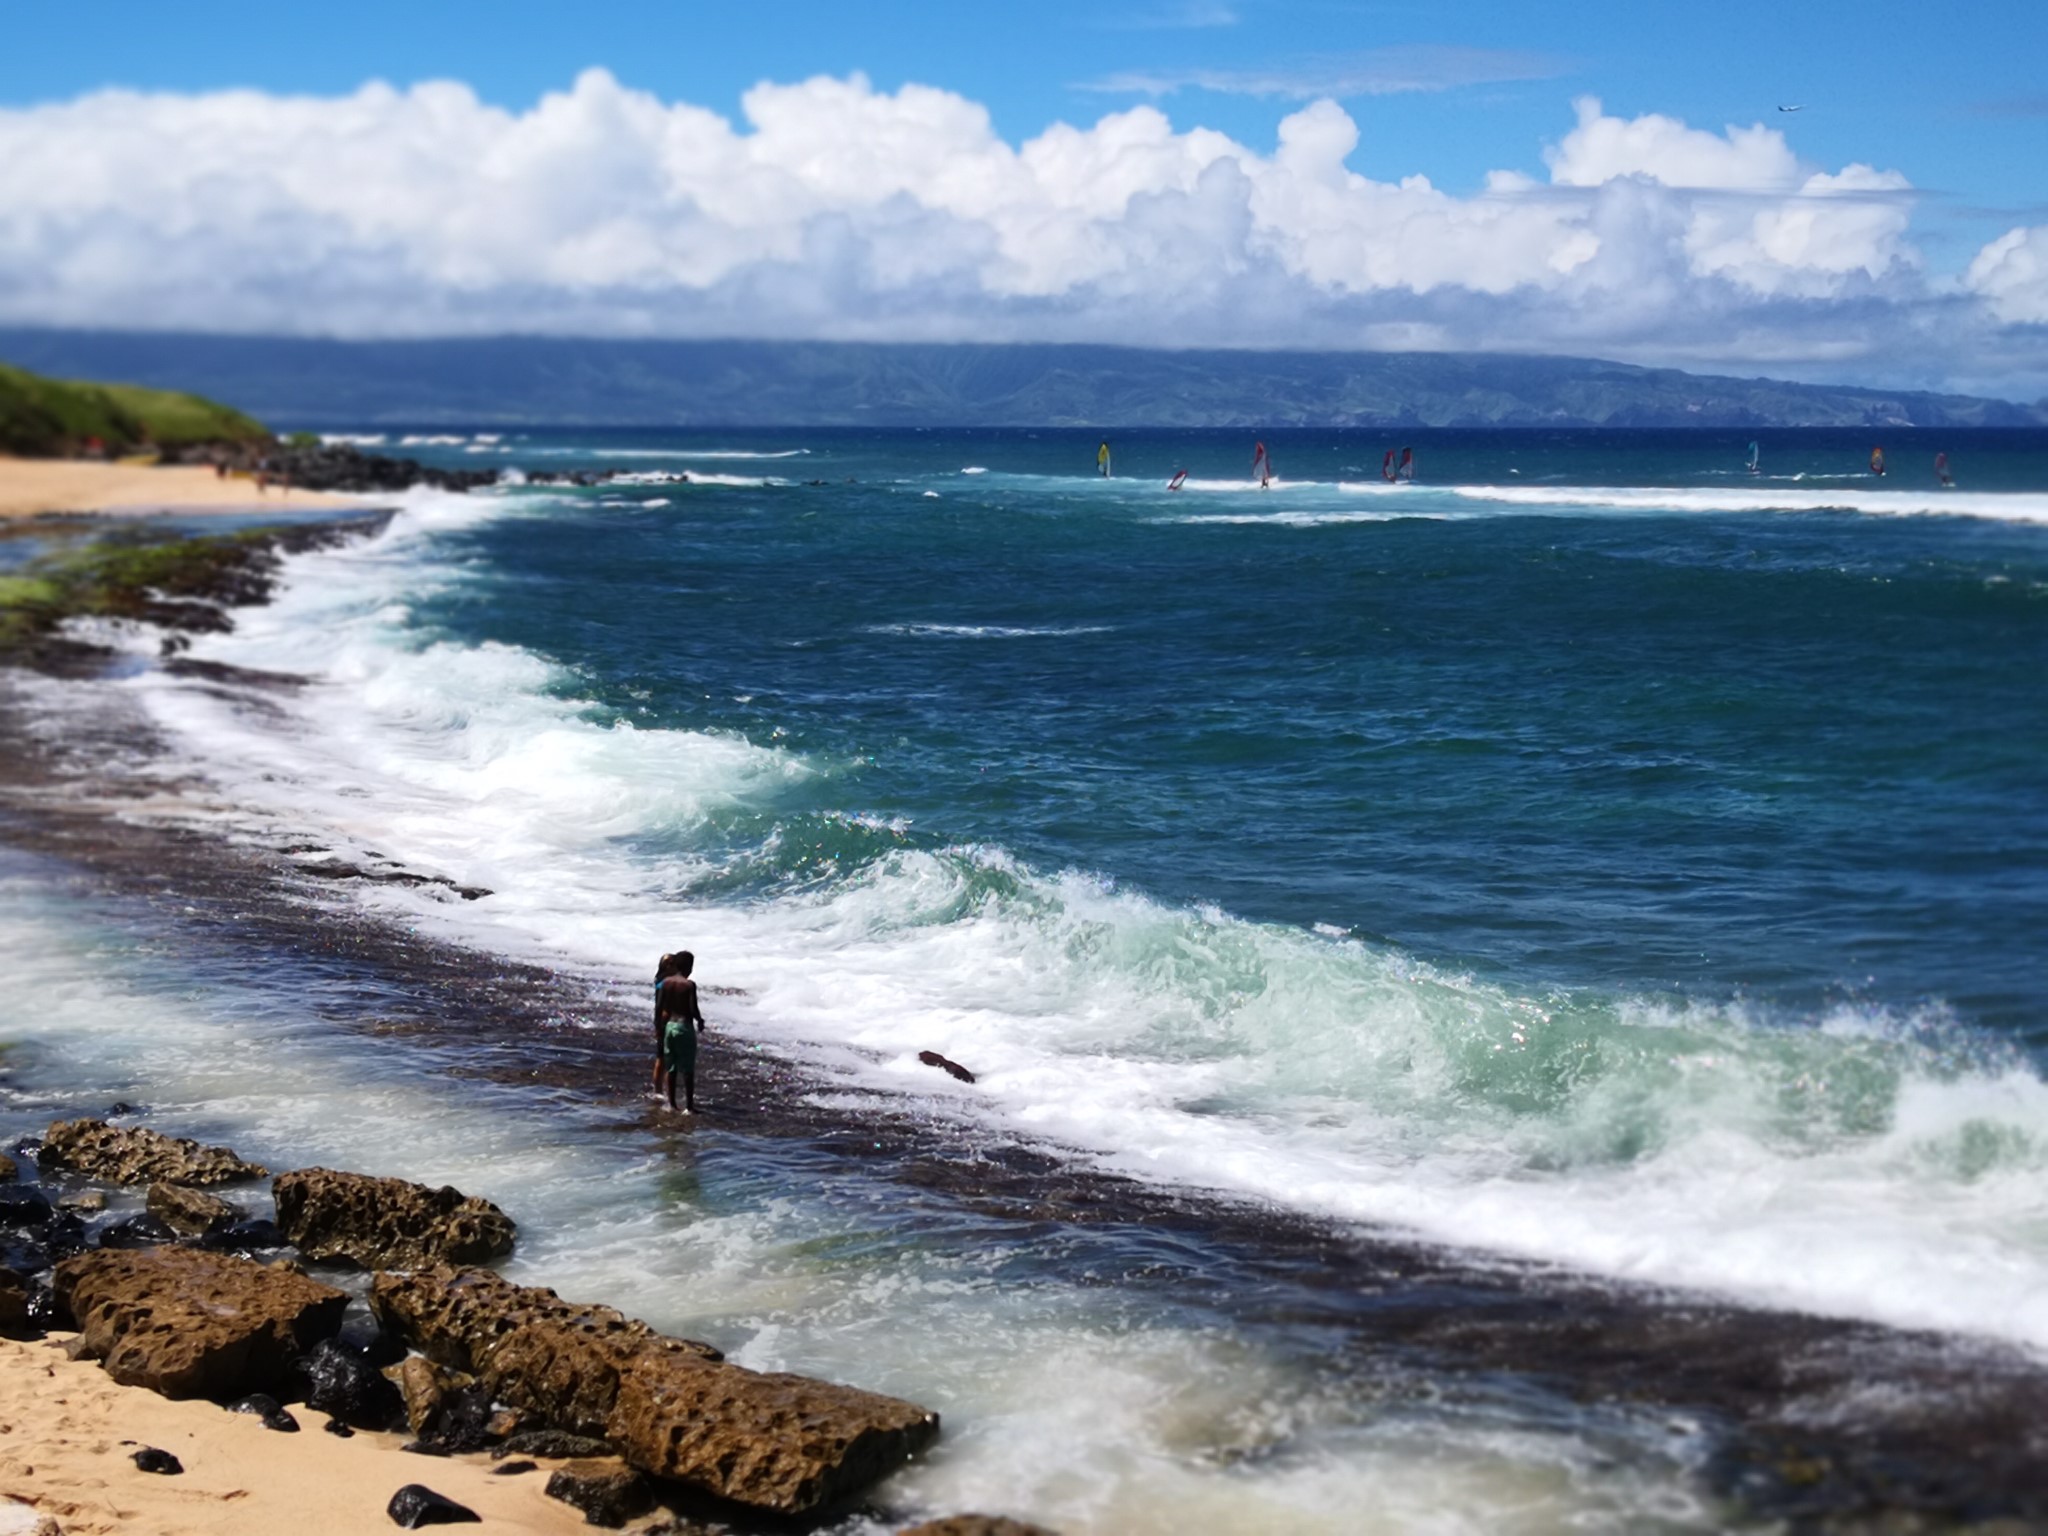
[678, 1020]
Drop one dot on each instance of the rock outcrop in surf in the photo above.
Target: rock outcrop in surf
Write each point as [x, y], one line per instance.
[118, 1154]
[387, 1223]
[674, 1408]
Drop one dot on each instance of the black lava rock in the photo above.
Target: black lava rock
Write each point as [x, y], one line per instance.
[426, 1448]
[23, 1205]
[606, 1493]
[143, 1231]
[341, 1381]
[462, 1422]
[514, 1468]
[30, 1147]
[150, 1459]
[273, 1413]
[245, 1237]
[414, 1506]
[339, 1430]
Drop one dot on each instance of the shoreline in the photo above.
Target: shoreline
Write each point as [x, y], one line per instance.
[68, 1430]
[1770, 1386]
[33, 488]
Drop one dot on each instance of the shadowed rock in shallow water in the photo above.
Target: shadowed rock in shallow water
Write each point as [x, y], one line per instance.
[143, 1231]
[188, 1323]
[191, 1211]
[950, 1068]
[15, 1317]
[135, 1155]
[781, 1443]
[976, 1525]
[387, 1223]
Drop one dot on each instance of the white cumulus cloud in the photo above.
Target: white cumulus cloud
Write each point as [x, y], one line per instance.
[833, 209]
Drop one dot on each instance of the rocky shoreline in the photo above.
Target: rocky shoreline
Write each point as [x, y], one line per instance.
[223, 1303]
[1782, 1403]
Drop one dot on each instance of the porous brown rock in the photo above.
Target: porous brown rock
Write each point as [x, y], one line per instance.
[782, 1443]
[188, 1210]
[607, 1491]
[8, 1171]
[189, 1323]
[423, 1386]
[976, 1525]
[387, 1223]
[133, 1155]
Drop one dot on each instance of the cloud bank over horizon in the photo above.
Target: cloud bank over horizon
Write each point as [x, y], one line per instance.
[837, 211]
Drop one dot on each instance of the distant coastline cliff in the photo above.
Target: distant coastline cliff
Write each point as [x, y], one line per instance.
[570, 382]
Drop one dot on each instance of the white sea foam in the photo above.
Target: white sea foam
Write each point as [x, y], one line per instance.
[1843, 1165]
[1794, 495]
[986, 631]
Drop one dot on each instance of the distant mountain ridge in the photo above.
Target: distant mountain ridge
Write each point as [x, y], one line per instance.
[515, 380]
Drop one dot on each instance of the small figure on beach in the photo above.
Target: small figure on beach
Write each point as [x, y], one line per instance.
[678, 1020]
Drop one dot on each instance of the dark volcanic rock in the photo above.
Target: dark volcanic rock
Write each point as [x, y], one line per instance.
[150, 1459]
[607, 1491]
[338, 1429]
[951, 1068]
[388, 1223]
[16, 1311]
[782, 1443]
[24, 1206]
[414, 1506]
[245, 1237]
[134, 1155]
[514, 1468]
[144, 1231]
[976, 1525]
[342, 1382]
[188, 1210]
[188, 1323]
[267, 1408]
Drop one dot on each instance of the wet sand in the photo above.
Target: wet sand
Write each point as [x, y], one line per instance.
[33, 487]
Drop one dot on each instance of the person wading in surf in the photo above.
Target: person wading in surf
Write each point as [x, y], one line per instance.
[677, 1023]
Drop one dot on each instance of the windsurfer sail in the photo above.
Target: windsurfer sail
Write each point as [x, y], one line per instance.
[1877, 461]
[1262, 466]
[1407, 470]
[1941, 469]
[1102, 460]
[1755, 454]
[1387, 466]
[1180, 478]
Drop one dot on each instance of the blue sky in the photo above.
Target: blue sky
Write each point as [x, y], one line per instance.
[1451, 91]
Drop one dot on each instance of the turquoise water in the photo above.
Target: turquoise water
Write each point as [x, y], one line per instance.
[1591, 852]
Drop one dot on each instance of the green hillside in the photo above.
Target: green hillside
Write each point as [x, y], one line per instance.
[54, 418]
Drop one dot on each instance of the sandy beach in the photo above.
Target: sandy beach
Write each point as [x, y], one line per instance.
[29, 487]
[68, 1431]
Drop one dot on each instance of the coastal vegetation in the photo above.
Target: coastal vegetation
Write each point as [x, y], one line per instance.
[53, 418]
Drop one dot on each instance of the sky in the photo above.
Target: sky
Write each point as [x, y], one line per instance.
[1598, 178]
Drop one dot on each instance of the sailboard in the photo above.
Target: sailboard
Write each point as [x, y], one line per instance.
[1877, 461]
[1407, 469]
[1262, 465]
[1755, 458]
[1941, 471]
[1102, 460]
[1180, 478]
[1387, 471]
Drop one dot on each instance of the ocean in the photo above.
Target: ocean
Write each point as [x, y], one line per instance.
[1592, 856]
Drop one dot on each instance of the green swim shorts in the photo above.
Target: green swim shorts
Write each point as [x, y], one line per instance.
[679, 1047]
